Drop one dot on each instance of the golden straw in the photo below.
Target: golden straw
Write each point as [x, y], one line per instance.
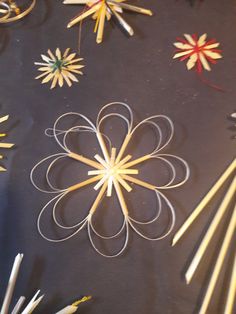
[232, 291]
[203, 202]
[210, 232]
[219, 262]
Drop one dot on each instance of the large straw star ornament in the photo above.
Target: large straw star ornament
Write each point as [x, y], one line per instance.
[112, 173]
[102, 10]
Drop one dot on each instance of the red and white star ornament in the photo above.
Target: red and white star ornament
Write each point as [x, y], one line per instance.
[200, 52]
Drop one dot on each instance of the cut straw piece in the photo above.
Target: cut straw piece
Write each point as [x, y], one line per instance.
[6, 145]
[100, 183]
[109, 187]
[122, 162]
[95, 172]
[210, 232]
[113, 156]
[127, 171]
[4, 118]
[103, 147]
[136, 161]
[33, 303]
[132, 8]
[121, 198]
[139, 182]
[124, 183]
[203, 202]
[101, 24]
[98, 199]
[82, 16]
[119, 19]
[18, 305]
[231, 291]
[219, 262]
[85, 160]
[102, 161]
[84, 183]
[123, 147]
[11, 284]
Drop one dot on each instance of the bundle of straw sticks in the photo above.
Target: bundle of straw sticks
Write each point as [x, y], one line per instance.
[225, 206]
[34, 302]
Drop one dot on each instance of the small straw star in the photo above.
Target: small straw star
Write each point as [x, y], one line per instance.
[59, 68]
[4, 145]
[198, 51]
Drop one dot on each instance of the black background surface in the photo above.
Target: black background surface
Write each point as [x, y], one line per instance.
[148, 278]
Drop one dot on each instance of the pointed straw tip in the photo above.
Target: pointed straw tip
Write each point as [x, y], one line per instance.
[174, 241]
[187, 279]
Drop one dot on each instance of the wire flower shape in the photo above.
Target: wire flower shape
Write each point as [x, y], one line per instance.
[4, 145]
[59, 68]
[112, 171]
[106, 9]
[199, 51]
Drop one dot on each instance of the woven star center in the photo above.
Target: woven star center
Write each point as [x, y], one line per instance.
[113, 170]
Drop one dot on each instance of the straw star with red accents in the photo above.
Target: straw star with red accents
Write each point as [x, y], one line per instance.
[199, 52]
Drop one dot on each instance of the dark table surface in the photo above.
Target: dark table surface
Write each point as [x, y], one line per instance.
[148, 277]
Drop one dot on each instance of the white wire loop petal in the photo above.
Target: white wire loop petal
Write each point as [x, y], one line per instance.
[110, 173]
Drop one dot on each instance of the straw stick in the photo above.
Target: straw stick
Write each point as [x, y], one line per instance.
[11, 284]
[123, 147]
[113, 156]
[101, 24]
[139, 182]
[103, 146]
[4, 118]
[18, 305]
[100, 183]
[85, 160]
[210, 232]
[231, 291]
[204, 202]
[136, 161]
[109, 187]
[127, 171]
[6, 145]
[102, 161]
[122, 162]
[219, 262]
[133, 8]
[84, 183]
[83, 15]
[123, 183]
[121, 198]
[98, 198]
[33, 303]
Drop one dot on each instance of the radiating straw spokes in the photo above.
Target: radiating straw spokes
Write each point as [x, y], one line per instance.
[122, 163]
